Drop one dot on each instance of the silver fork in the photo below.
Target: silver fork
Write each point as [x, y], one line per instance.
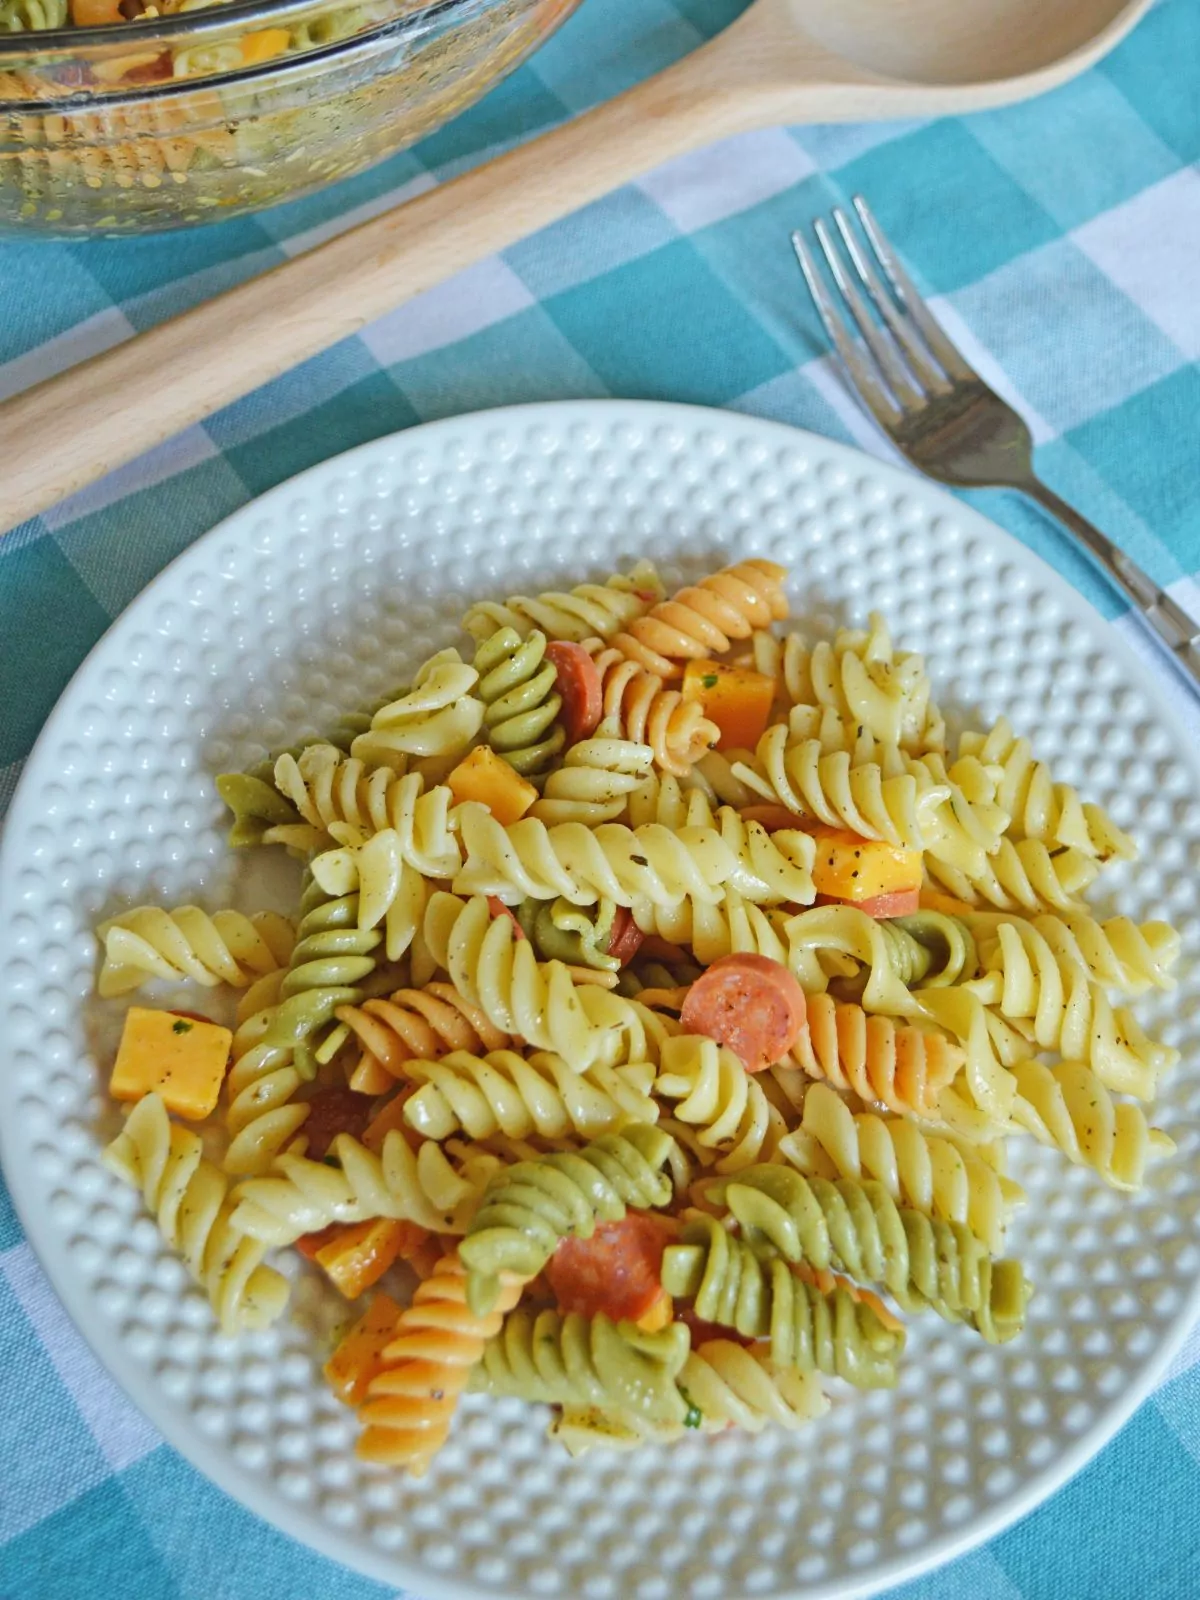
[940, 414]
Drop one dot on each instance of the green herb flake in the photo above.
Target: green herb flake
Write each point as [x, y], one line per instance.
[694, 1416]
[709, 680]
[182, 1026]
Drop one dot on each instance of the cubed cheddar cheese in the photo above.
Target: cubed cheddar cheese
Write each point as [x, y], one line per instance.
[179, 1058]
[486, 777]
[849, 867]
[361, 1253]
[737, 699]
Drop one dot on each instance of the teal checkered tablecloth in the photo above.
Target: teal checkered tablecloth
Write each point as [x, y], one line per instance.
[1061, 243]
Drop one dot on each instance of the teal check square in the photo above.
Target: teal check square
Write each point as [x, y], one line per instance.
[96, 1545]
[1156, 68]
[49, 620]
[964, 218]
[667, 327]
[1146, 450]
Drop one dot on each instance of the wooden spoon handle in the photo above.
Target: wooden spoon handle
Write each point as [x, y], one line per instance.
[71, 429]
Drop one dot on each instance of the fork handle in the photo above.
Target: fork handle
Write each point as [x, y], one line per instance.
[1175, 630]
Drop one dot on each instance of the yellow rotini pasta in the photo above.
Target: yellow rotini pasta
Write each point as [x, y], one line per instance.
[711, 1091]
[345, 800]
[1068, 1107]
[226, 947]
[917, 1168]
[590, 609]
[505, 1092]
[1024, 875]
[861, 677]
[594, 781]
[355, 1184]
[1039, 807]
[1049, 995]
[438, 717]
[189, 1198]
[495, 969]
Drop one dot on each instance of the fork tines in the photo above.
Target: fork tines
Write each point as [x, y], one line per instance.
[902, 356]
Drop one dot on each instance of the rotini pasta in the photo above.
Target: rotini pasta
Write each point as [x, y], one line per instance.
[506, 1093]
[344, 799]
[354, 1184]
[1039, 807]
[901, 1067]
[607, 1076]
[1067, 1106]
[836, 1330]
[420, 1024]
[496, 970]
[521, 702]
[594, 781]
[226, 947]
[1032, 982]
[275, 1052]
[573, 1360]
[1024, 876]
[703, 619]
[438, 1341]
[922, 1170]
[861, 678]
[714, 931]
[438, 717]
[638, 706]
[922, 1261]
[189, 1198]
[828, 787]
[531, 1206]
[583, 865]
[714, 1094]
[590, 609]
[32, 16]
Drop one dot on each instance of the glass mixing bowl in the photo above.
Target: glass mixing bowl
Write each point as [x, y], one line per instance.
[208, 113]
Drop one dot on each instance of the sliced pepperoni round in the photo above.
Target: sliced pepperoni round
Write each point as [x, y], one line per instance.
[750, 1003]
[899, 903]
[625, 940]
[579, 685]
[616, 1273]
[498, 909]
[331, 1112]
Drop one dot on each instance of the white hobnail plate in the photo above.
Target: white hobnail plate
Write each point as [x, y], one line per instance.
[321, 595]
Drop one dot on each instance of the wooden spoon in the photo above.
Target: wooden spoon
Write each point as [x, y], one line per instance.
[781, 61]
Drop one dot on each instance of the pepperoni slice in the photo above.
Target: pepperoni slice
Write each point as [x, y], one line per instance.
[331, 1112]
[703, 1331]
[900, 903]
[616, 1273]
[498, 909]
[625, 940]
[750, 1003]
[579, 685]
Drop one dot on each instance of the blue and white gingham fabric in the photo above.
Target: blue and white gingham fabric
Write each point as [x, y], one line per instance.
[1060, 241]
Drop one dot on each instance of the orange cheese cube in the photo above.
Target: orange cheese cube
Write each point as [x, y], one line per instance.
[362, 1254]
[737, 699]
[179, 1058]
[488, 778]
[849, 867]
[359, 1355]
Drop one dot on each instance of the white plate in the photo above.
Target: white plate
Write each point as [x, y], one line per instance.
[322, 595]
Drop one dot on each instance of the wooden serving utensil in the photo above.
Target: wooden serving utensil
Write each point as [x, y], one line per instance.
[780, 62]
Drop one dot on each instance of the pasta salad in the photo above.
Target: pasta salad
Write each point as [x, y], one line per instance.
[661, 996]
